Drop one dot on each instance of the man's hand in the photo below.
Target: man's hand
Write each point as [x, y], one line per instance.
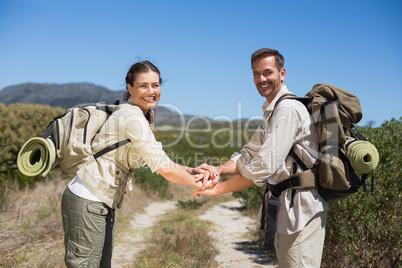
[209, 175]
[210, 191]
[236, 183]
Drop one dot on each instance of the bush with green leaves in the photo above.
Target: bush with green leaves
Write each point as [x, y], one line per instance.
[151, 181]
[190, 204]
[18, 123]
[363, 230]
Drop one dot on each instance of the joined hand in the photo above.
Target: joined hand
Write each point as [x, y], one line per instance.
[209, 175]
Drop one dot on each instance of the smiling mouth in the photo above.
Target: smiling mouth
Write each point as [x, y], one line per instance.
[150, 99]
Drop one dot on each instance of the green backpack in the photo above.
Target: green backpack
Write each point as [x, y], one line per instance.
[334, 111]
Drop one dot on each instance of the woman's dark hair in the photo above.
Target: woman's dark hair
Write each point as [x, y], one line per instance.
[266, 52]
[135, 69]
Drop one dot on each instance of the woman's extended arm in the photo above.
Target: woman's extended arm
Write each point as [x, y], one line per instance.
[179, 174]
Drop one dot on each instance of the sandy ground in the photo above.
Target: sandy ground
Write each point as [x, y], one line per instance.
[229, 228]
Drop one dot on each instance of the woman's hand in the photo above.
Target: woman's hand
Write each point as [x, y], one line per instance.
[209, 175]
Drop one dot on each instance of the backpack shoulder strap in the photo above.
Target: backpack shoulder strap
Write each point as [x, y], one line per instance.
[293, 181]
[50, 126]
[297, 159]
[289, 96]
[354, 132]
[284, 97]
[111, 148]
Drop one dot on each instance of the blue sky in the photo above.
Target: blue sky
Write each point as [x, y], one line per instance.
[203, 48]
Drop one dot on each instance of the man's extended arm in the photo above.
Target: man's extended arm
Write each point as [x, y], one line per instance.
[228, 168]
[234, 184]
[207, 173]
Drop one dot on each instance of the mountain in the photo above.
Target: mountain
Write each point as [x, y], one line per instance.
[65, 95]
[69, 95]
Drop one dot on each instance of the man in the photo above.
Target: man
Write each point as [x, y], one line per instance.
[301, 218]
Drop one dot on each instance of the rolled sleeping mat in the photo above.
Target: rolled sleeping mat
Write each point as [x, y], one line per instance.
[36, 157]
[362, 155]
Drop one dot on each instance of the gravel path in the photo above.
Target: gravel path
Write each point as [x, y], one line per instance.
[229, 228]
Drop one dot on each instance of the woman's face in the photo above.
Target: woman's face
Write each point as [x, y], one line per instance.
[146, 90]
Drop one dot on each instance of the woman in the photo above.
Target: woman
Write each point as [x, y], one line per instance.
[89, 201]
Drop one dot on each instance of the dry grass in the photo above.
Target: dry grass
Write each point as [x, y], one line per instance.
[31, 230]
[31, 233]
[179, 239]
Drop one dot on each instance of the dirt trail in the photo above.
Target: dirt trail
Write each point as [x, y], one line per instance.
[124, 251]
[229, 228]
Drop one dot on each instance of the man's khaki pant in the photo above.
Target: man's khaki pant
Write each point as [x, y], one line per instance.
[302, 249]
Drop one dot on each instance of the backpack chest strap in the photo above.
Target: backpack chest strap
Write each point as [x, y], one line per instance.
[277, 189]
[297, 181]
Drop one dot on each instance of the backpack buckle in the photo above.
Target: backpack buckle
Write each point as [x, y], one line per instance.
[274, 190]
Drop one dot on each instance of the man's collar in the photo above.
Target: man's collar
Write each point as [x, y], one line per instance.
[269, 106]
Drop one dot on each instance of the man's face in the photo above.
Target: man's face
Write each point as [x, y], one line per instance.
[267, 78]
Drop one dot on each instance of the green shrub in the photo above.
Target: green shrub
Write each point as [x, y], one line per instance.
[151, 181]
[18, 123]
[251, 197]
[364, 229]
[190, 204]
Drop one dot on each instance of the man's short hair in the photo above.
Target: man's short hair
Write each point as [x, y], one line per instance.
[266, 52]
